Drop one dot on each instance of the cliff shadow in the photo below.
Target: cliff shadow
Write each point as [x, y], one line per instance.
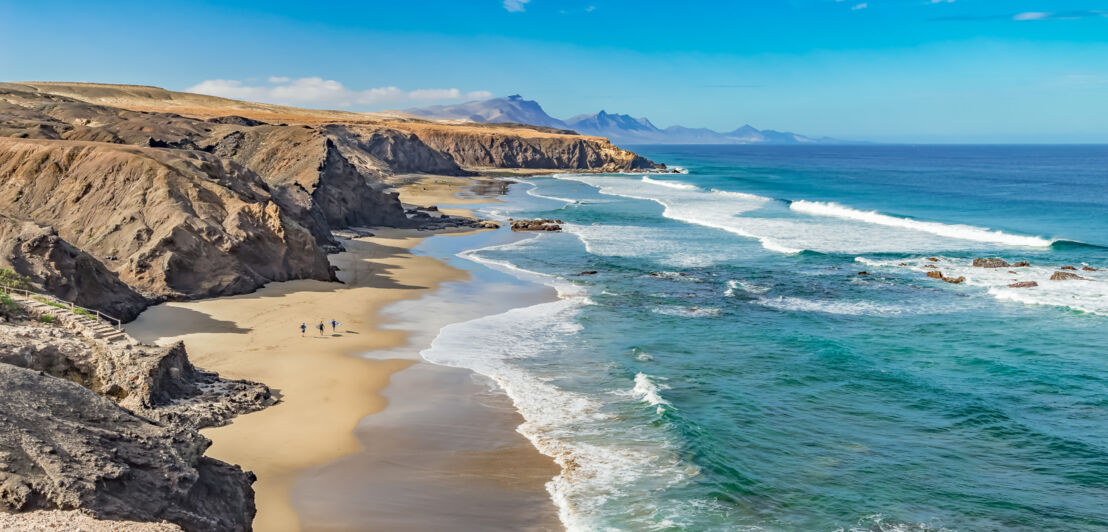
[168, 321]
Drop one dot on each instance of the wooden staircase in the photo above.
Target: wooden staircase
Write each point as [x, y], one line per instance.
[89, 323]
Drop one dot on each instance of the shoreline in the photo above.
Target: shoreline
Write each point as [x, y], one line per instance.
[333, 393]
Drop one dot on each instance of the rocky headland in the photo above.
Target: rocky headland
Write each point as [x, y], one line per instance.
[118, 197]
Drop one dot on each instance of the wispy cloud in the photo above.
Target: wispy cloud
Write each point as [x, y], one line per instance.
[856, 7]
[318, 91]
[516, 6]
[1033, 15]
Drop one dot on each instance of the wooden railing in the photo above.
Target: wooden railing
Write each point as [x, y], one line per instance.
[46, 298]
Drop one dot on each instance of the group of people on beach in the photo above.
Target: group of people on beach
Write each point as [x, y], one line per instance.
[322, 327]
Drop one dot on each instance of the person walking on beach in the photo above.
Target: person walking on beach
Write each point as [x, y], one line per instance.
[334, 324]
[320, 327]
[303, 328]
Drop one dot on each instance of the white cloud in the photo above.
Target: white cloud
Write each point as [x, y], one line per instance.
[318, 91]
[856, 7]
[942, 1]
[515, 6]
[1031, 15]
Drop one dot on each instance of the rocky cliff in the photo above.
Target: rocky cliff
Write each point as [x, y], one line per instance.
[111, 429]
[64, 447]
[502, 147]
[61, 269]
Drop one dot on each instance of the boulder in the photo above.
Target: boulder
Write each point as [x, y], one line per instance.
[955, 280]
[1071, 268]
[538, 224]
[863, 273]
[990, 263]
[933, 259]
[1088, 269]
[1021, 264]
[1064, 276]
[1023, 284]
[63, 447]
[935, 274]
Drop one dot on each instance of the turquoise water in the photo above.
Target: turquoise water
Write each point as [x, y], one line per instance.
[728, 369]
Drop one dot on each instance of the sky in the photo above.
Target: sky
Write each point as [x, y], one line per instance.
[917, 71]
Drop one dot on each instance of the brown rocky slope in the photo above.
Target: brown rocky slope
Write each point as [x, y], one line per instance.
[184, 196]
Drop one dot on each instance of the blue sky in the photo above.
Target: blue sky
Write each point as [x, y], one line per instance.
[883, 70]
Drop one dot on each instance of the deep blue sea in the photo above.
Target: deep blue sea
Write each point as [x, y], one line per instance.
[727, 368]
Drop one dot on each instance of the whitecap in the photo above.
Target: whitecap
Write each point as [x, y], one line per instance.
[957, 231]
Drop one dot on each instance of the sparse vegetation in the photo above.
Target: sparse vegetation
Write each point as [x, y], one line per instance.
[11, 279]
[9, 309]
[46, 319]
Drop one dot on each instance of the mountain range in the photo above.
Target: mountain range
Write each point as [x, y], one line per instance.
[619, 128]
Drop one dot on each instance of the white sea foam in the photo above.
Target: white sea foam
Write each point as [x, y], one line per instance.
[846, 308]
[802, 230]
[687, 312]
[734, 285]
[671, 184]
[664, 246]
[532, 192]
[497, 346]
[1090, 295]
[649, 392]
[958, 231]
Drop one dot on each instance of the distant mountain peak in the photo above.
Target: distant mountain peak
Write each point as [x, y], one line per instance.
[619, 128]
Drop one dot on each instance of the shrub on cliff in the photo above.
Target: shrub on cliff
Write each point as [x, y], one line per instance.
[9, 309]
[10, 279]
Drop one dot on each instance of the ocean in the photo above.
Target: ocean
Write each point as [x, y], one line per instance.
[727, 367]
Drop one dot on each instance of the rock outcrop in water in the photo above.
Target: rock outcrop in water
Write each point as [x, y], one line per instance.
[538, 224]
[1066, 276]
[990, 263]
[1024, 284]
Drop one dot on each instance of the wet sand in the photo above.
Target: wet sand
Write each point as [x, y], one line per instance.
[447, 454]
[443, 456]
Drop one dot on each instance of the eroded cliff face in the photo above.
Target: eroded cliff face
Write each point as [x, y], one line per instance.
[65, 447]
[483, 147]
[172, 223]
[110, 428]
[60, 269]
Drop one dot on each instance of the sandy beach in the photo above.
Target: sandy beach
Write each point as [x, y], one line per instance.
[326, 388]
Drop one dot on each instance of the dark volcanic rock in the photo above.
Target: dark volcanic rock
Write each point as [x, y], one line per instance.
[64, 447]
[990, 263]
[538, 224]
[1065, 276]
[61, 269]
[1023, 284]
